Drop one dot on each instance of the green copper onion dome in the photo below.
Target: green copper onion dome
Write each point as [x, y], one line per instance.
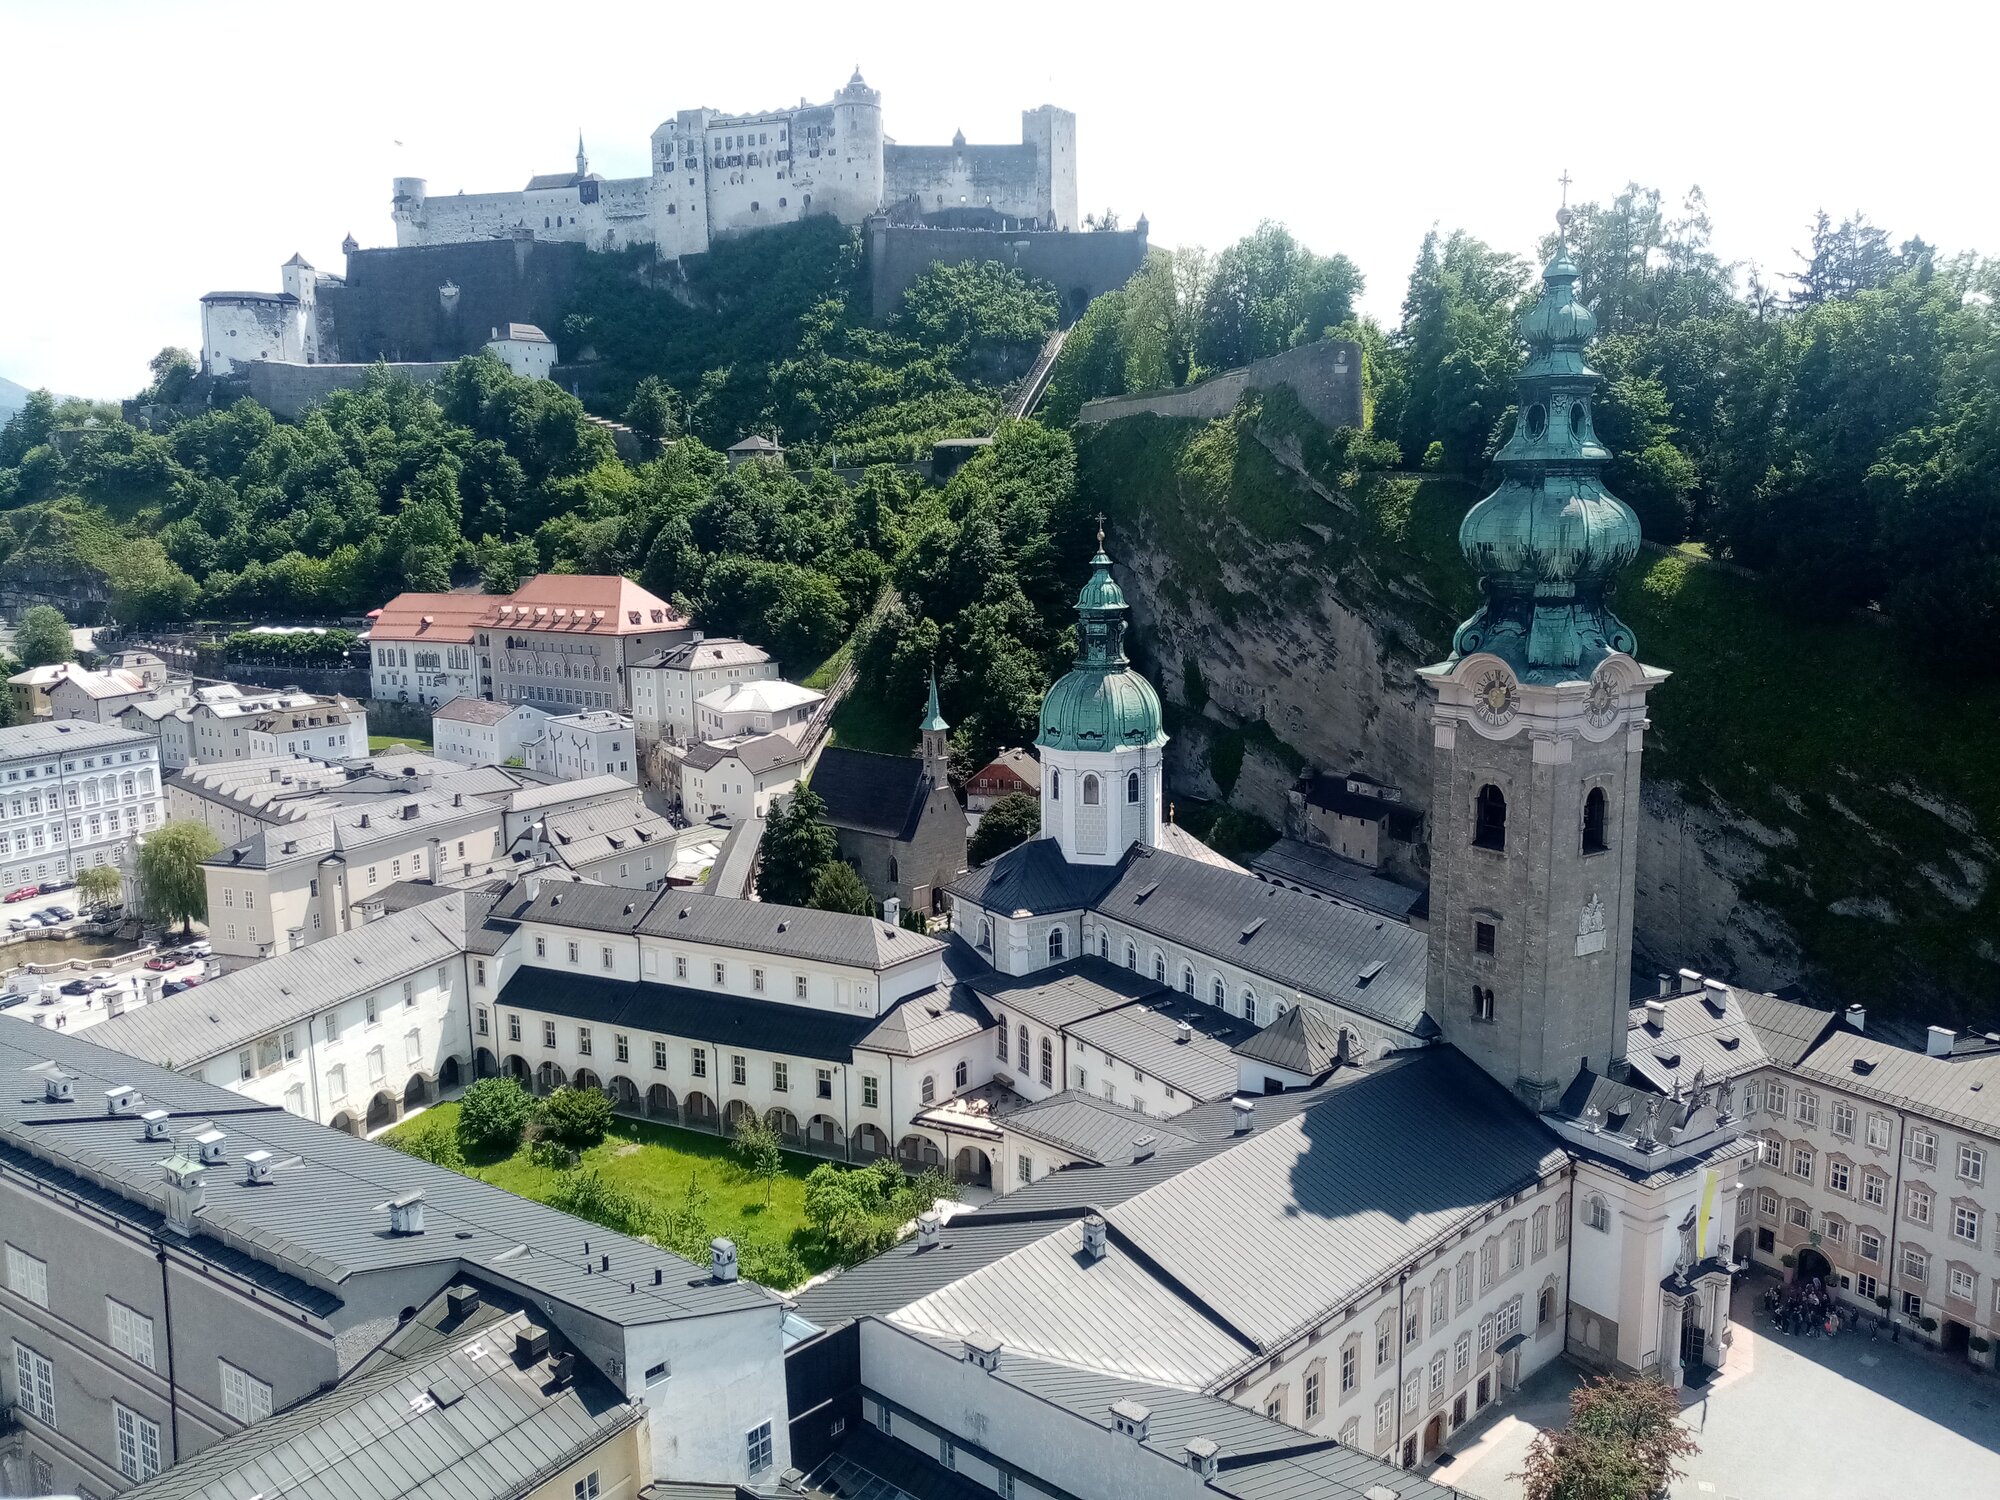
[1101, 704]
[1549, 543]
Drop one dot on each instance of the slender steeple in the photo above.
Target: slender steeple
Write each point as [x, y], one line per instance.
[935, 735]
[1549, 543]
[582, 161]
[933, 715]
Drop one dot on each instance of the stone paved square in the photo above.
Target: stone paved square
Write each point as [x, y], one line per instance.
[1848, 1418]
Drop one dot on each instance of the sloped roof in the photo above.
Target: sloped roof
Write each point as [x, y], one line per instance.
[584, 835]
[1302, 1041]
[904, 1272]
[1322, 871]
[1146, 1034]
[755, 753]
[520, 333]
[870, 793]
[1066, 992]
[283, 991]
[1091, 1127]
[117, 683]
[736, 861]
[1033, 879]
[19, 741]
[1016, 762]
[1705, 1032]
[938, 1017]
[430, 617]
[592, 604]
[713, 651]
[765, 695]
[1961, 1090]
[1175, 839]
[481, 711]
[1787, 1029]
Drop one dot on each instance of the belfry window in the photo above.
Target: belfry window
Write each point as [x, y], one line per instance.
[1132, 787]
[1090, 791]
[1489, 828]
[1593, 821]
[1055, 786]
[1482, 1003]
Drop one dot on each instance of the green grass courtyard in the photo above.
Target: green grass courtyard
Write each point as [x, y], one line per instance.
[657, 1164]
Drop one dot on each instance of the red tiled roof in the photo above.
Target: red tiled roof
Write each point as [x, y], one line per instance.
[562, 603]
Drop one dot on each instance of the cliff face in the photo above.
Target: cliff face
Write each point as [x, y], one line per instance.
[1813, 812]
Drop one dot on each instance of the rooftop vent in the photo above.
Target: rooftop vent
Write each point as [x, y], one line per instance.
[58, 1087]
[364, 821]
[1857, 1017]
[722, 1258]
[122, 1100]
[1183, 1033]
[1245, 1111]
[410, 810]
[1863, 1066]
[1144, 891]
[446, 1391]
[1666, 983]
[257, 1165]
[1201, 1456]
[289, 846]
[1656, 1015]
[929, 1225]
[1715, 995]
[1690, 979]
[461, 1299]
[1143, 1146]
[1938, 1040]
[562, 1369]
[406, 1212]
[210, 1141]
[1132, 1419]
[155, 1121]
[1094, 1241]
[531, 1345]
[983, 1350]
[1250, 930]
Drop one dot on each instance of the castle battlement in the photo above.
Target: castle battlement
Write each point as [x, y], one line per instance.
[717, 174]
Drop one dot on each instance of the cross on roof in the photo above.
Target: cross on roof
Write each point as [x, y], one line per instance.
[1100, 530]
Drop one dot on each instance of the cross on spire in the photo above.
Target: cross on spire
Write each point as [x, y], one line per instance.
[1563, 213]
[1100, 531]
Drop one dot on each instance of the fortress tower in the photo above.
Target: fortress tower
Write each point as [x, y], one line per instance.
[1538, 729]
[1052, 132]
[850, 185]
[406, 207]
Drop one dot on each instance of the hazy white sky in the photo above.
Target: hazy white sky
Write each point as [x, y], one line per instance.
[158, 149]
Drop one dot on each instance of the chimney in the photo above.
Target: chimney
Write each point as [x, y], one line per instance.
[722, 1258]
[1715, 995]
[1132, 1419]
[1656, 1016]
[1690, 979]
[122, 1100]
[410, 811]
[892, 910]
[928, 1225]
[461, 1298]
[562, 1369]
[1857, 1017]
[531, 1345]
[185, 1193]
[1938, 1040]
[1245, 1111]
[1666, 984]
[1142, 1146]
[532, 885]
[364, 821]
[1183, 1033]
[58, 1087]
[406, 1212]
[1201, 1456]
[257, 1165]
[210, 1141]
[983, 1350]
[1094, 1244]
[155, 1121]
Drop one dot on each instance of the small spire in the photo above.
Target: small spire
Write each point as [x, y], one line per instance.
[933, 715]
[1563, 214]
[582, 161]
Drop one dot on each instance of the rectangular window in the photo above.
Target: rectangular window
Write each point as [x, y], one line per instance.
[35, 1381]
[368, 1006]
[1312, 1394]
[1802, 1162]
[1384, 1413]
[1347, 1373]
[1462, 1297]
[541, 946]
[1917, 1208]
[1461, 1353]
[781, 1077]
[1962, 1284]
[131, 1332]
[1965, 1222]
[1878, 1132]
[823, 1083]
[660, 1055]
[656, 1373]
[479, 1018]
[799, 988]
[28, 1276]
[1484, 937]
[583, 1040]
[1798, 1215]
[513, 1027]
[757, 980]
[1923, 1148]
[698, 1061]
[479, 971]
[413, 1047]
[680, 966]
[605, 959]
[1486, 1334]
[409, 992]
[1869, 1244]
[1842, 1119]
[1776, 1097]
[1867, 1285]
[1874, 1189]
[1808, 1108]
[1837, 1176]
[1915, 1263]
[868, 1091]
[1024, 1168]
[739, 1069]
[721, 973]
[622, 1045]
[138, 1444]
[1971, 1163]
[586, 1488]
[244, 1397]
[573, 952]
[548, 1033]
[758, 1442]
[1509, 1322]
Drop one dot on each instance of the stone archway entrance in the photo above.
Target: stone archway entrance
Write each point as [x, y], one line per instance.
[1433, 1434]
[1812, 1265]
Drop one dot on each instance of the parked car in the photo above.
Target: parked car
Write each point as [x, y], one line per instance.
[17, 924]
[50, 887]
[63, 911]
[9, 1000]
[77, 987]
[36, 920]
[102, 982]
[51, 915]
[24, 893]
[200, 948]
[163, 962]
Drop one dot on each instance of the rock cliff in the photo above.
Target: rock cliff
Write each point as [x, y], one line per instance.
[1815, 812]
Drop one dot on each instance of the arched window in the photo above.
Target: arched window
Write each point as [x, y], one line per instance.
[1159, 967]
[1048, 1063]
[1131, 954]
[895, 870]
[1489, 828]
[1597, 1213]
[1001, 1036]
[1021, 1052]
[1482, 1003]
[1132, 787]
[1055, 944]
[986, 934]
[930, 1089]
[1249, 1006]
[1593, 821]
[958, 1076]
[1103, 943]
[1187, 979]
[1055, 786]
[1090, 791]
[1219, 994]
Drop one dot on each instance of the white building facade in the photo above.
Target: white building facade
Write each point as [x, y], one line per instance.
[74, 795]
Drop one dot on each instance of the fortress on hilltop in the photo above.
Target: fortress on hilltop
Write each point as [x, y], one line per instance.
[717, 174]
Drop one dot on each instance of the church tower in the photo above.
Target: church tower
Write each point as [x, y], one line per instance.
[1537, 732]
[935, 735]
[1101, 741]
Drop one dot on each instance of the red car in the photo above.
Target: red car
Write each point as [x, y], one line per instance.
[23, 893]
[163, 962]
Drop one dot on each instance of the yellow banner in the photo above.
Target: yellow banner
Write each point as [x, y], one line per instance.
[1710, 1183]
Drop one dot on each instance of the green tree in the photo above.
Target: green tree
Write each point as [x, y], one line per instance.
[173, 372]
[836, 887]
[574, 1117]
[1014, 819]
[1267, 293]
[493, 1114]
[1624, 1441]
[757, 1147]
[797, 842]
[99, 885]
[168, 874]
[42, 636]
[1457, 350]
[650, 412]
[28, 429]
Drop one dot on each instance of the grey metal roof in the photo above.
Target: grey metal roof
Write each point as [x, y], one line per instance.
[584, 835]
[906, 1272]
[320, 1219]
[383, 1436]
[528, 798]
[1368, 964]
[939, 1017]
[1961, 1090]
[726, 1021]
[284, 991]
[736, 862]
[1066, 992]
[1302, 1040]
[1034, 879]
[353, 830]
[1787, 1029]
[1321, 870]
[1146, 1034]
[470, 710]
[1091, 1127]
[1705, 1032]
[871, 793]
[702, 655]
[757, 753]
[21, 741]
[1175, 839]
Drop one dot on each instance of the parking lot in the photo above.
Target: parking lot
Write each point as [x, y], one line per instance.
[67, 998]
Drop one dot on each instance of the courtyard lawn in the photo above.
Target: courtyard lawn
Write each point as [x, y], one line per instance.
[657, 1162]
[378, 743]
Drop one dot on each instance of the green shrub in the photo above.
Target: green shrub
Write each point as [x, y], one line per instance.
[589, 1196]
[552, 1154]
[576, 1118]
[430, 1139]
[493, 1114]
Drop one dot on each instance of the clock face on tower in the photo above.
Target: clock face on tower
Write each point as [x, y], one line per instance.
[1496, 697]
[1601, 706]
